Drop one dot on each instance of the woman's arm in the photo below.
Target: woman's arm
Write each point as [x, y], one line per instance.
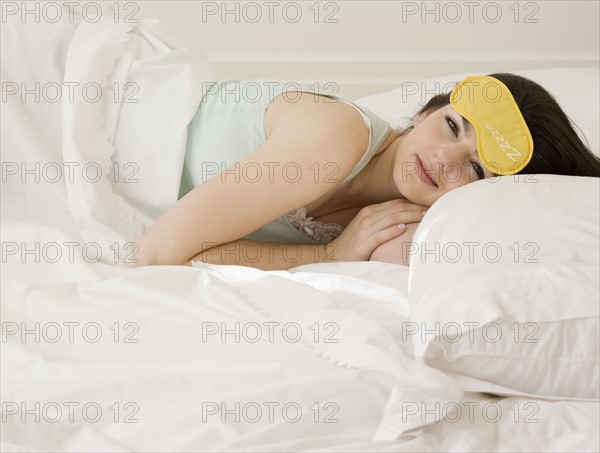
[396, 250]
[365, 228]
[223, 210]
[267, 256]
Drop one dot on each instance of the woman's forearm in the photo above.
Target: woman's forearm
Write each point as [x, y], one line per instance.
[266, 255]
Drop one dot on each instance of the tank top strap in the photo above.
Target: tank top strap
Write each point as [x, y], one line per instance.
[379, 129]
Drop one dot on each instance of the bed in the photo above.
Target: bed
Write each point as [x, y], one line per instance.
[357, 356]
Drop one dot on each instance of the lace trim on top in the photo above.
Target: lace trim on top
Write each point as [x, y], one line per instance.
[319, 231]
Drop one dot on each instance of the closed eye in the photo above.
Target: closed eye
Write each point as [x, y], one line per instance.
[476, 166]
[452, 125]
[478, 169]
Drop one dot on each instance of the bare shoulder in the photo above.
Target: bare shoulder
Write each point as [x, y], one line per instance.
[331, 121]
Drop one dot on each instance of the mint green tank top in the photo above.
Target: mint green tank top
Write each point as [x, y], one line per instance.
[230, 124]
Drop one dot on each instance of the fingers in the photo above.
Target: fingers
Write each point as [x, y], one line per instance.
[396, 218]
[394, 214]
[393, 226]
[376, 224]
[387, 234]
[406, 217]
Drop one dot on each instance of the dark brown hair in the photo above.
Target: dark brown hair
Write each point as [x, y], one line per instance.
[557, 147]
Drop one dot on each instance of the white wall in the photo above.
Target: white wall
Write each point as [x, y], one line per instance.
[371, 46]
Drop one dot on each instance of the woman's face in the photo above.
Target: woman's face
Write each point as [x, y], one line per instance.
[439, 154]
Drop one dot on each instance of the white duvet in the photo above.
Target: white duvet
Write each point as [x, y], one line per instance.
[97, 356]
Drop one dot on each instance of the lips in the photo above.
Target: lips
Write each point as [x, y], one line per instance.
[422, 173]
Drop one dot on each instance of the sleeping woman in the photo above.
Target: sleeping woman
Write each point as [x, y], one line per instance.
[275, 179]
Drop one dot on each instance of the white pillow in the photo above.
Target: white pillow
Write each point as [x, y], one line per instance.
[579, 99]
[520, 313]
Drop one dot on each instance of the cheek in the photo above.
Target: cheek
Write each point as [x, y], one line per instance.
[455, 175]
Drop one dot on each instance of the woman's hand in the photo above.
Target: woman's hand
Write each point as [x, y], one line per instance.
[372, 226]
[397, 250]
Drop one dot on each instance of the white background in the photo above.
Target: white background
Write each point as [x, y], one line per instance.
[376, 45]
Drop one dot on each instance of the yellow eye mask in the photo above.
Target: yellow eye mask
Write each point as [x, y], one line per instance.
[504, 143]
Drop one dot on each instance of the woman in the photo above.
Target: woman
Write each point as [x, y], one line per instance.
[296, 186]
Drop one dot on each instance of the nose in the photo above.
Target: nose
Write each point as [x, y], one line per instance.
[450, 159]
[452, 153]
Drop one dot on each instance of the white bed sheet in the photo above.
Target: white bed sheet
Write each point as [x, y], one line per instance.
[171, 371]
